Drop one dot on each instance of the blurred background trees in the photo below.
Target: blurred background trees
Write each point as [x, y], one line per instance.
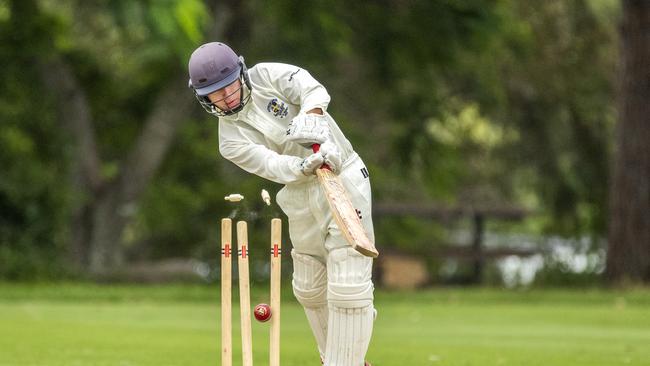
[106, 158]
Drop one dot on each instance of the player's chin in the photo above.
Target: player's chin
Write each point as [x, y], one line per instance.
[231, 108]
[233, 105]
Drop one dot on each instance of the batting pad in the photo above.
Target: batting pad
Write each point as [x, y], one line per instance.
[318, 321]
[310, 288]
[349, 284]
[351, 312]
[309, 280]
[348, 337]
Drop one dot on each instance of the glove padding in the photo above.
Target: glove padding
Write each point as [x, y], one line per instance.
[332, 156]
[308, 129]
[328, 154]
[309, 164]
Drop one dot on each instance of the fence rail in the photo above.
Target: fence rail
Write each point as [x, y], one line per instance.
[476, 252]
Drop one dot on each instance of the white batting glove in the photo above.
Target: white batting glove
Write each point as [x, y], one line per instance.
[309, 165]
[308, 129]
[332, 156]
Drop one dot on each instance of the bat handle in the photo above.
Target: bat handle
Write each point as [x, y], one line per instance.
[315, 148]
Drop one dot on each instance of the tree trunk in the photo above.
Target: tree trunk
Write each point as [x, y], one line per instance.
[628, 258]
[103, 209]
[116, 206]
[85, 178]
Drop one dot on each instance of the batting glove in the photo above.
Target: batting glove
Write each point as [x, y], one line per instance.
[309, 165]
[332, 156]
[308, 129]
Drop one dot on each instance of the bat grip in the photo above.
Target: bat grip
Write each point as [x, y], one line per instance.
[316, 148]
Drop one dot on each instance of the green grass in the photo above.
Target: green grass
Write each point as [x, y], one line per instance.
[79, 324]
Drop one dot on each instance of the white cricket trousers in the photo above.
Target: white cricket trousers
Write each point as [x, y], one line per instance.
[331, 280]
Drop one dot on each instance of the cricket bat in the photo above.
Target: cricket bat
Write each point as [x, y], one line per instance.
[343, 211]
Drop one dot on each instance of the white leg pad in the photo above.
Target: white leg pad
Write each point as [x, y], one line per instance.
[351, 310]
[348, 338]
[318, 321]
[310, 288]
[349, 283]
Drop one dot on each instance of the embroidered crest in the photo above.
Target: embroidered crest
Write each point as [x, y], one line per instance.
[278, 108]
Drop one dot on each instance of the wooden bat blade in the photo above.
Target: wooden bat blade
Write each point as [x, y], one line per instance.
[345, 214]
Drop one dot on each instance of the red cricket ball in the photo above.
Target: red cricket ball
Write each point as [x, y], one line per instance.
[262, 312]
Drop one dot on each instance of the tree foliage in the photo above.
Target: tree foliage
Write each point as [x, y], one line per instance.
[463, 102]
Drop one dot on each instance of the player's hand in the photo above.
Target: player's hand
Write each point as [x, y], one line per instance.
[309, 165]
[332, 156]
[308, 129]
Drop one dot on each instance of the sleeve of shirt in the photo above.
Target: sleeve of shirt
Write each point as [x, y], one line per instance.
[297, 85]
[240, 146]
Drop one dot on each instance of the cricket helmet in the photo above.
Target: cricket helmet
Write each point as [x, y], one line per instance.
[214, 66]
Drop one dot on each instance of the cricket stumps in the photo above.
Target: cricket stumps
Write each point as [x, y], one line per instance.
[244, 292]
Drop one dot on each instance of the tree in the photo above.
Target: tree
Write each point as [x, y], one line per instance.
[628, 257]
[492, 102]
[106, 202]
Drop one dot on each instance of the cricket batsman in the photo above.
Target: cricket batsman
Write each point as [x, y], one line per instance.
[269, 117]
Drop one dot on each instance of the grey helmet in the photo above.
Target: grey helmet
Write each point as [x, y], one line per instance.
[214, 66]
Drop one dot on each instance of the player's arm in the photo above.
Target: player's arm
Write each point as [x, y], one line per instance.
[297, 85]
[243, 148]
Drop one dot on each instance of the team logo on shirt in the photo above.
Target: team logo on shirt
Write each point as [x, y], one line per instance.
[278, 108]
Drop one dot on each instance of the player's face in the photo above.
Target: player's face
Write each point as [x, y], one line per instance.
[227, 98]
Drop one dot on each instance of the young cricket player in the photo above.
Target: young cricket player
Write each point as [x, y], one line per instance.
[269, 117]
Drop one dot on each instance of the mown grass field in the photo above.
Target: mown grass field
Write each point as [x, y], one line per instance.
[78, 324]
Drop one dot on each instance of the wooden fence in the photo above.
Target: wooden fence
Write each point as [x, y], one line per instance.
[475, 252]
